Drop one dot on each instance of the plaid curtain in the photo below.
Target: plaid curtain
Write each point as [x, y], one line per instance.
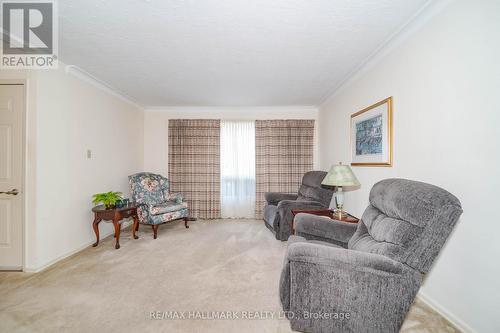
[194, 164]
[283, 153]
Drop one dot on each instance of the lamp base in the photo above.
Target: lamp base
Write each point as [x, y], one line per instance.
[339, 214]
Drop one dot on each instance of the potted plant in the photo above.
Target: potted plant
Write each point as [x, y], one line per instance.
[109, 199]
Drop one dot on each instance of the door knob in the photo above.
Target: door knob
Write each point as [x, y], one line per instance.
[11, 192]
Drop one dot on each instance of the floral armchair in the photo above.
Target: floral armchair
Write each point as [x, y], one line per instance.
[156, 204]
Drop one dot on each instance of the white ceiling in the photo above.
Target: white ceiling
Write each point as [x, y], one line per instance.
[226, 52]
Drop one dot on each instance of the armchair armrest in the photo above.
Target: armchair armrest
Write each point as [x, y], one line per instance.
[274, 198]
[143, 212]
[323, 228]
[177, 197]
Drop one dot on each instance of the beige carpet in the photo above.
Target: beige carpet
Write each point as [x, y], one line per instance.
[227, 265]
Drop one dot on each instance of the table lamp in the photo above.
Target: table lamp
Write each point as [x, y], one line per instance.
[339, 175]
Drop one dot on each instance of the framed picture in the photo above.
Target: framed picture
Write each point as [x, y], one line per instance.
[371, 135]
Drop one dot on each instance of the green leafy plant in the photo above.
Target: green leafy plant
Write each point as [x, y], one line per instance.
[109, 199]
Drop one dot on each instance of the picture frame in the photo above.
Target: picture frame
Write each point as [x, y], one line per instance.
[371, 135]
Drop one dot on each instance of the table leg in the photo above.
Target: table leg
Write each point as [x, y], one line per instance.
[135, 227]
[95, 226]
[117, 232]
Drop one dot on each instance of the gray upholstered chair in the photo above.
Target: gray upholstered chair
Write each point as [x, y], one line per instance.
[372, 270]
[278, 209]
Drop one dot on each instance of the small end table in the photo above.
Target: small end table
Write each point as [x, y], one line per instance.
[115, 215]
[322, 212]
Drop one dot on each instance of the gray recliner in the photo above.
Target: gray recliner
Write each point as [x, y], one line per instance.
[278, 209]
[370, 271]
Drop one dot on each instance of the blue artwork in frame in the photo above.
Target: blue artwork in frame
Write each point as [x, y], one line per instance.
[369, 136]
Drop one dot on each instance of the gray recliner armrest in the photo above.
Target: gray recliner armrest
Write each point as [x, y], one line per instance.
[285, 209]
[274, 198]
[299, 204]
[332, 256]
[285, 216]
[323, 228]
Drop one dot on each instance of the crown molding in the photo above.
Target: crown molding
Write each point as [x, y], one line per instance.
[98, 83]
[188, 108]
[430, 9]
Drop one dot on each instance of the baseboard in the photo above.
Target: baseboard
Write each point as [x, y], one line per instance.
[10, 268]
[458, 323]
[69, 254]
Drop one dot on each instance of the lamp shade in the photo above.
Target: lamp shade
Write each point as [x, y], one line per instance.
[340, 175]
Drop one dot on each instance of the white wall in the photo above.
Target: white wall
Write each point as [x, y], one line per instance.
[74, 116]
[65, 117]
[156, 126]
[445, 79]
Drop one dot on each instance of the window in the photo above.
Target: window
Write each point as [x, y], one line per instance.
[237, 162]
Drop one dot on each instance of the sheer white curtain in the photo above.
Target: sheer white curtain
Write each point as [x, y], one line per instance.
[237, 166]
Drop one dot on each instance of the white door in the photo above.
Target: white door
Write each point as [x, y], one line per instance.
[11, 176]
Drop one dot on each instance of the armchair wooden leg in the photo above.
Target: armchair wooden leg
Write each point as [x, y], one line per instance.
[135, 227]
[186, 222]
[155, 230]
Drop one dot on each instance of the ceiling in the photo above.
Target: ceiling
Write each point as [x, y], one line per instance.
[226, 52]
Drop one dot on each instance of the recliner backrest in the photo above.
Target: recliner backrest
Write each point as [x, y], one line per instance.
[312, 190]
[148, 188]
[408, 221]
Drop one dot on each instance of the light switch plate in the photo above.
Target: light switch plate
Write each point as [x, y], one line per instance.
[89, 154]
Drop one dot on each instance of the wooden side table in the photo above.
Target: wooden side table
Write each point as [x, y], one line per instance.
[115, 215]
[322, 212]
